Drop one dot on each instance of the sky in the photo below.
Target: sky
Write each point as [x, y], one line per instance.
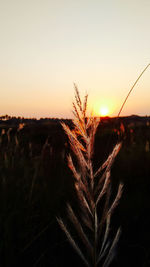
[46, 46]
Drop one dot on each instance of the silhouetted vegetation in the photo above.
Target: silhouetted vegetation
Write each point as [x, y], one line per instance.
[35, 184]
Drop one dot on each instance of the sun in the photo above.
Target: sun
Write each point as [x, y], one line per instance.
[103, 111]
[103, 107]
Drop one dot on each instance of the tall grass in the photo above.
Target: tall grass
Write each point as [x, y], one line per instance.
[92, 218]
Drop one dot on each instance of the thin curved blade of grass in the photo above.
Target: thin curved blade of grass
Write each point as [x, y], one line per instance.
[104, 245]
[117, 198]
[86, 220]
[105, 186]
[83, 201]
[132, 89]
[104, 252]
[81, 187]
[79, 228]
[111, 159]
[111, 253]
[72, 242]
[73, 169]
[105, 210]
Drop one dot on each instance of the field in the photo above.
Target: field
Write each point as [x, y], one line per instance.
[36, 184]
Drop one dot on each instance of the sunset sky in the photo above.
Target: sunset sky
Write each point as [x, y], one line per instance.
[47, 45]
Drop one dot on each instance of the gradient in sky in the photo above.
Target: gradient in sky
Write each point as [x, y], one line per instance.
[48, 45]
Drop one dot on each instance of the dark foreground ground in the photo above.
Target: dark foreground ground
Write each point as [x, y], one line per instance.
[36, 184]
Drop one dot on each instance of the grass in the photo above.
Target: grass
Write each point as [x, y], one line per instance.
[141, 74]
[92, 220]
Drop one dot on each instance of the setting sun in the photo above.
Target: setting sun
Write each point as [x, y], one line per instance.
[103, 111]
[104, 106]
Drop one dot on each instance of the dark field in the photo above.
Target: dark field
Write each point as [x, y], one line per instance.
[36, 184]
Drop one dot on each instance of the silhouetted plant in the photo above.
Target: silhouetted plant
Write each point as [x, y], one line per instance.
[93, 189]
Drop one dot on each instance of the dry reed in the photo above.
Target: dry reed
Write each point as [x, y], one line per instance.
[93, 189]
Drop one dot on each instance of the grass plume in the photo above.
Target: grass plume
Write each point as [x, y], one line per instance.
[93, 190]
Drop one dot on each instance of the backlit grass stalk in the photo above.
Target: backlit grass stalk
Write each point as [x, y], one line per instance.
[132, 89]
[93, 189]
